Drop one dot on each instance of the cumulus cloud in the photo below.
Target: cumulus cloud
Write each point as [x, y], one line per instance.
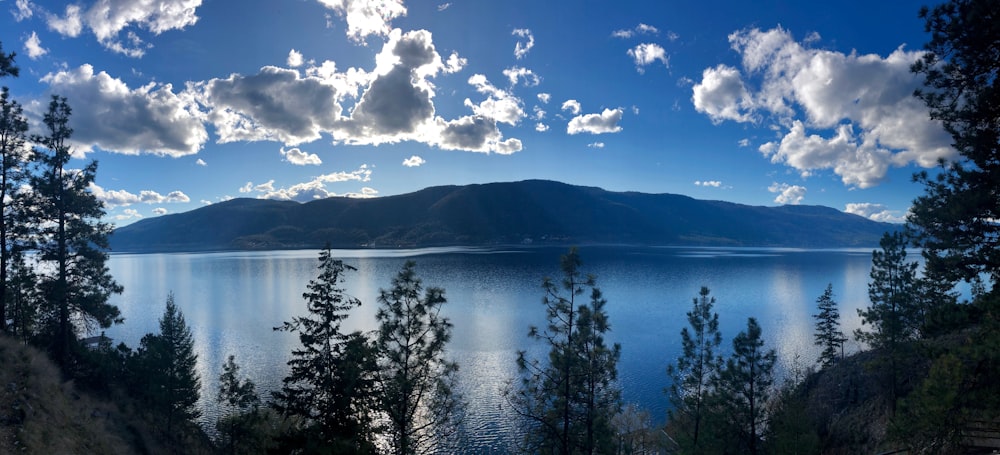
[573, 106]
[876, 212]
[544, 97]
[516, 73]
[605, 122]
[522, 47]
[787, 194]
[33, 46]
[109, 115]
[596, 145]
[413, 161]
[646, 54]
[24, 10]
[201, 162]
[107, 19]
[160, 211]
[316, 188]
[541, 127]
[276, 104]
[294, 58]
[128, 214]
[500, 105]
[300, 158]
[850, 113]
[367, 17]
[122, 198]
[641, 29]
[711, 183]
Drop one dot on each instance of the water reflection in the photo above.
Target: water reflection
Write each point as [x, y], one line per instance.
[233, 300]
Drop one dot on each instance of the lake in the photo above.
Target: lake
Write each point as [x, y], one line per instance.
[232, 300]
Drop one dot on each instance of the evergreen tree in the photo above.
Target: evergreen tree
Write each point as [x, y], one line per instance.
[955, 220]
[13, 173]
[744, 388]
[330, 382]
[7, 67]
[416, 382]
[893, 314]
[565, 411]
[168, 366]
[691, 377]
[828, 334]
[72, 241]
[240, 403]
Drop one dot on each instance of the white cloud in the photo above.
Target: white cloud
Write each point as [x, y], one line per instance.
[517, 73]
[367, 17]
[522, 47]
[605, 122]
[294, 58]
[876, 212]
[315, 188]
[721, 95]
[108, 18]
[109, 115]
[33, 46]
[500, 105]
[647, 54]
[539, 113]
[850, 113]
[641, 29]
[787, 194]
[201, 162]
[541, 127]
[128, 214]
[573, 106]
[596, 145]
[160, 211]
[711, 183]
[122, 198]
[413, 161]
[744, 142]
[300, 158]
[455, 63]
[444, 6]
[544, 97]
[24, 10]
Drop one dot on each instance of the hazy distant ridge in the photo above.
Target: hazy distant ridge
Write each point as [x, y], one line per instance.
[533, 211]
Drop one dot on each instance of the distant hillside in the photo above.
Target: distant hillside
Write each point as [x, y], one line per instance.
[533, 211]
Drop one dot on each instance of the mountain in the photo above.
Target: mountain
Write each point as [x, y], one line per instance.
[532, 211]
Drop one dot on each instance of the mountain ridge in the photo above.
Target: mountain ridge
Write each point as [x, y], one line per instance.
[503, 213]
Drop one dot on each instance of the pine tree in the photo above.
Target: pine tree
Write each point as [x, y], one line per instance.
[893, 314]
[955, 220]
[330, 382]
[13, 173]
[744, 387]
[240, 402]
[416, 381]
[692, 375]
[565, 411]
[828, 334]
[7, 67]
[72, 241]
[168, 366]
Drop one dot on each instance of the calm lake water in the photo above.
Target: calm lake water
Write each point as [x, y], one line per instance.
[232, 300]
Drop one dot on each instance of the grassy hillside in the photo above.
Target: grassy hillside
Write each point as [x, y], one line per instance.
[41, 414]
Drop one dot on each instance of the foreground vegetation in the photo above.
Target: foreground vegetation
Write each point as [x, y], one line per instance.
[927, 384]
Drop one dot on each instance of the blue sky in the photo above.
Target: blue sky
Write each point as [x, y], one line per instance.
[186, 103]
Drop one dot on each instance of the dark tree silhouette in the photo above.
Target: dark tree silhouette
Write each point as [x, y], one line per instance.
[13, 173]
[167, 364]
[570, 401]
[955, 221]
[828, 334]
[696, 368]
[745, 388]
[241, 411]
[7, 67]
[416, 382]
[72, 240]
[330, 384]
